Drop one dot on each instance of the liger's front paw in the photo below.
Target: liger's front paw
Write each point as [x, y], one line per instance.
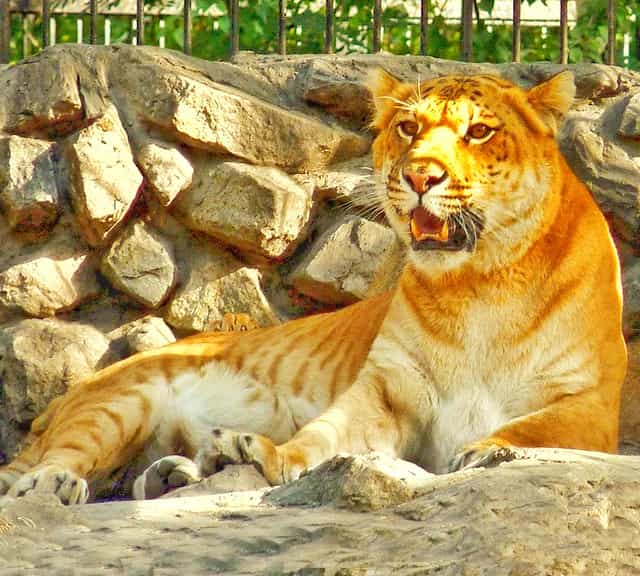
[66, 485]
[164, 475]
[481, 455]
[229, 447]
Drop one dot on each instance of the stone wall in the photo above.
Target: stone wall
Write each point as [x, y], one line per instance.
[146, 195]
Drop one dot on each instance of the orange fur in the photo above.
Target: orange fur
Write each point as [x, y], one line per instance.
[509, 337]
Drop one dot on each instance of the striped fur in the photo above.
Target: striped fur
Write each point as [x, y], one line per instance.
[514, 340]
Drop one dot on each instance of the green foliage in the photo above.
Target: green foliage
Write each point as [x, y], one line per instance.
[353, 30]
[588, 40]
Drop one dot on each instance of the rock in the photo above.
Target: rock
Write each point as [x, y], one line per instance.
[222, 120]
[40, 359]
[28, 189]
[361, 482]
[630, 122]
[593, 81]
[631, 293]
[605, 167]
[55, 106]
[630, 405]
[131, 336]
[347, 260]
[599, 81]
[104, 179]
[50, 279]
[351, 182]
[199, 264]
[259, 209]
[238, 292]
[148, 333]
[338, 84]
[166, 170]
[140, 264]
[348, 100]
[229, 479]
[34, 510]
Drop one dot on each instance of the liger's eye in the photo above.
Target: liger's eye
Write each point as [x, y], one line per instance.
[408, 128]
[479, 131]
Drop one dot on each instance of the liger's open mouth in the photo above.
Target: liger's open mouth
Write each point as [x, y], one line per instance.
[430, 232]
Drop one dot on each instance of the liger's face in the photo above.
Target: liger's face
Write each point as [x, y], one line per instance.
[455, 157]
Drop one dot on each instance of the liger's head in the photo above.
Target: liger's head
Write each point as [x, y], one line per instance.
[465, 163]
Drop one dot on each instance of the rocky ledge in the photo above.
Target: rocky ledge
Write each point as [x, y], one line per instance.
[545, 513]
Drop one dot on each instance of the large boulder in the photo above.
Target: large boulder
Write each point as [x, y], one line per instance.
[55, 105]
[148, 333]
[103, 177]
[140, 263]
[239, 292]
[353, 259]
[606, 164]
[200, 264]
[40, 359]
[223, 120]
[259, 209]
[630, 121]
[50, 278]
[28, 190]
[166, 169]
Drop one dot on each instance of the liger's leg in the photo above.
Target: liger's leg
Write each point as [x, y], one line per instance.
[96, 427]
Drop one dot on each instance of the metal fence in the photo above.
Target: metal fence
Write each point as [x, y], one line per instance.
[43, 8]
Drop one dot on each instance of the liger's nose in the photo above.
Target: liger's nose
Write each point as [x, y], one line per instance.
[424, 175]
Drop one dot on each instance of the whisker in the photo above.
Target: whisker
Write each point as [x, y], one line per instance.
[401, 104]
[369, 212]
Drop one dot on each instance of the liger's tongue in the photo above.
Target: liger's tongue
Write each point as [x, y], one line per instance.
[427, 226]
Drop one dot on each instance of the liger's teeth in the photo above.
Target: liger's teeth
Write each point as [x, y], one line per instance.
[420, 234]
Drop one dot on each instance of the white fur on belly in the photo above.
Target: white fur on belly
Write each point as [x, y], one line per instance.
[217, 395]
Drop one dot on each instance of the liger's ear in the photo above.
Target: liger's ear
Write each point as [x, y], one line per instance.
[553, 98]
[380, 83]
[382, 86]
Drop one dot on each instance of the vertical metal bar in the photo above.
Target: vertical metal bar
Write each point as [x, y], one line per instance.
[140, 21]
[377, 25]
[467, 30]
[515, 40]
[45, 23]
[637, 38]
[282, 27]
[611, 32]
[162, 38]
[328, 27]
[564, 33]
[93, 16]
[5, 31]
[424, 27]
[235, 27]
[27, 24]
[186, 48]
